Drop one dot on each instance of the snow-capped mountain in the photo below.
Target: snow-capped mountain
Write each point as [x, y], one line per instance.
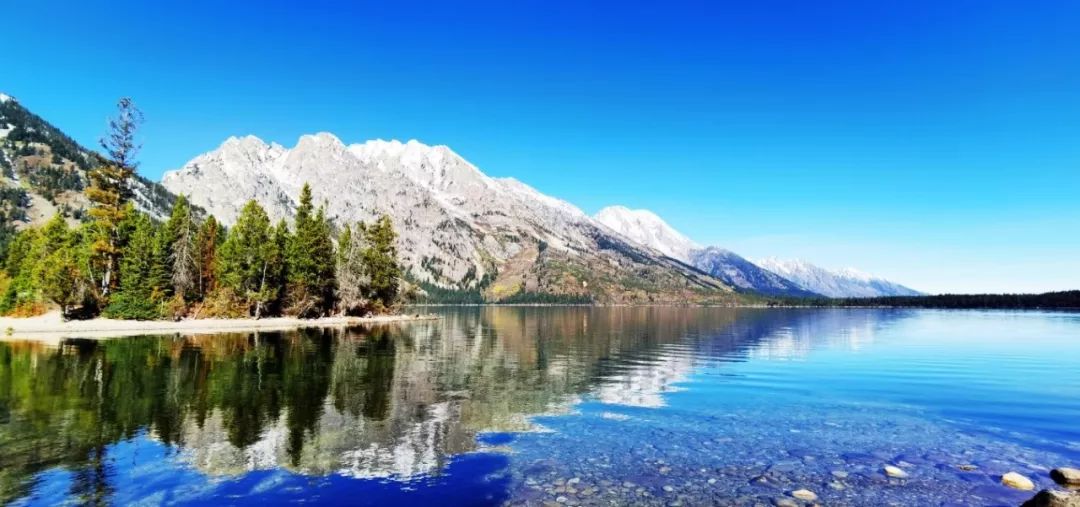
[839, 283]
[735, 270]
[769, 276]
[458, 228]
[644, 227]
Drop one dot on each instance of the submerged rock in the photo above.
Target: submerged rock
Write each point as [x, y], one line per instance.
[1066, 476]
[1053, 498]
[1017, 481]
[895, 472]
[804, 494]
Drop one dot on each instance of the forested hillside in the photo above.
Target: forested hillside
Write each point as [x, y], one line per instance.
[111, 258]
[43, 172]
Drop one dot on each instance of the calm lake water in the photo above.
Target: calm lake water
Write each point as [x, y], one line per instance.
[529, 406]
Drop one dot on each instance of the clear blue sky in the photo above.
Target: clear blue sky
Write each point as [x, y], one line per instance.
[936, 143]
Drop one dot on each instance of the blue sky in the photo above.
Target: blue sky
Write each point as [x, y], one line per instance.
[935, 143]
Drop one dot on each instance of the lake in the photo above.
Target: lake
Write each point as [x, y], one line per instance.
[552, 406]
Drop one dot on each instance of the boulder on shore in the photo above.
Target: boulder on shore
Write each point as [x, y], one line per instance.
[1066, 476]
[1053, 498]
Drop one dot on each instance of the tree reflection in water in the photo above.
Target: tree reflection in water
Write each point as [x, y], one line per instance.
[395, 401]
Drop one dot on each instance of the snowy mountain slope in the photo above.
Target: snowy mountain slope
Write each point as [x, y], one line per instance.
[735, 270]
[646, 228]
[770, 277]
[839, 283]
[458, 228]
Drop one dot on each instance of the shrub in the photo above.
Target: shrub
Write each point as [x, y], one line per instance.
[223, 303]
[132, 306]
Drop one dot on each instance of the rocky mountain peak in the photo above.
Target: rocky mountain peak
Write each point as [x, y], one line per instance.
[645, 227]
[458, 228]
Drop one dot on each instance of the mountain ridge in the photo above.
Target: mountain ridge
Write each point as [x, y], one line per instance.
[846, 282]
[44, 171]
[458, 228]
[649, 229]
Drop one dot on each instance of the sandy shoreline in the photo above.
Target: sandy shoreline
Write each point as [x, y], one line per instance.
[51, 328]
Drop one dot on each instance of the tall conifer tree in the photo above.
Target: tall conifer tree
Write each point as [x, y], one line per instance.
[109, 191]
[310, 259]
[383, 268]
[245, 260]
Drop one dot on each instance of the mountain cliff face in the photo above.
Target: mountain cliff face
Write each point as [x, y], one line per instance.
[43, 171]
[840, 283]
[458, 228]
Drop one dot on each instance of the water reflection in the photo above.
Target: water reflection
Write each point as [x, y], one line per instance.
[399, 402]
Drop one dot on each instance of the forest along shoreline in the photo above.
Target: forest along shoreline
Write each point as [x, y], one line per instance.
[52, 328]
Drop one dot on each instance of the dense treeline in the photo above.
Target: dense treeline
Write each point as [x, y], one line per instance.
[124, 264]
[1049, 300]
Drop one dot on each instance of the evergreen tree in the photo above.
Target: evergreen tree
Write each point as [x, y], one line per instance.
[344, 243]
[59, 275]
[381, 261]
[245, 260]
[310, 260]
[278, 262]
[23, 255]
[109, 191]
[140, 293]
[325, 281]
[208, 241]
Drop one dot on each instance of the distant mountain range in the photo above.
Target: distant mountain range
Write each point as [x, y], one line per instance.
[770, 276]
[459, 229]
[839, 283]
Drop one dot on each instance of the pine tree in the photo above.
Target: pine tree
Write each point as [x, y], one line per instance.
[140, 294]
[245, 259]
[23, 255]
[58, 274]
[278, 262]
[310, 260]
[381, 261]
[344, 243]
[326, 284]
[209, 239]
[109, 191]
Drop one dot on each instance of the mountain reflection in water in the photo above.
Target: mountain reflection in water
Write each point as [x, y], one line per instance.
[379, 412]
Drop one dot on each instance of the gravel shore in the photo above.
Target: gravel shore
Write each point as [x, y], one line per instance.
[51, 327]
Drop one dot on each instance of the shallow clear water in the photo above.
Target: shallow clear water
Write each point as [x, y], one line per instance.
[537, 405]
